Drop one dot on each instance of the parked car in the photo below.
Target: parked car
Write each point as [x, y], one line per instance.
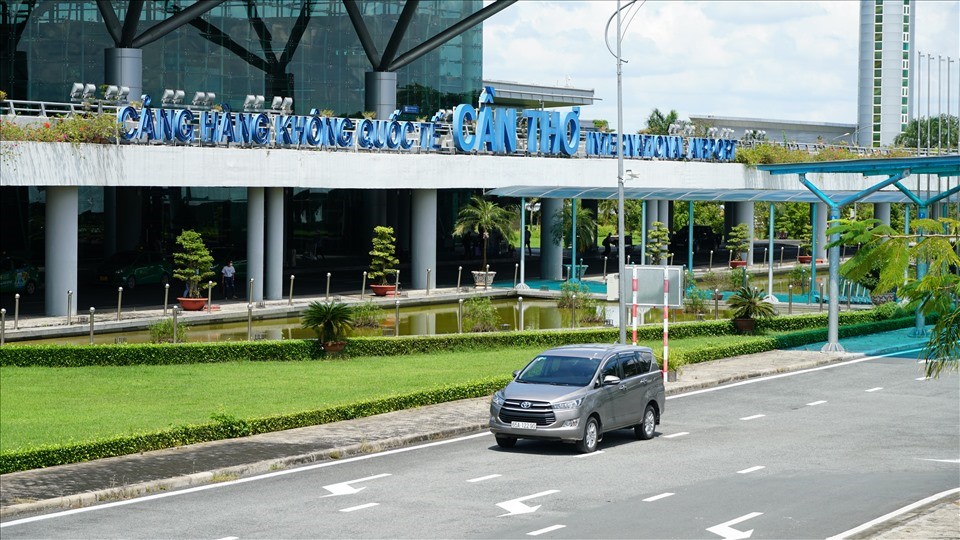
[576, 393]
[704, 239]
[132, 268]
[18, 275]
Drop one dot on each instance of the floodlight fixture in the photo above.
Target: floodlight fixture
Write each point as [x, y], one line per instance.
[689, 130]
[712, 132]
[248, 102]
[178, 96]
[199, 98]
[167, 97]
[76, 90]
[89, 90]
[111, 93]
[123, 94]
[287, 105]
[276, 103]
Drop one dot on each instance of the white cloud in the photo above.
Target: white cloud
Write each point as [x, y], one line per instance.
[762, 59]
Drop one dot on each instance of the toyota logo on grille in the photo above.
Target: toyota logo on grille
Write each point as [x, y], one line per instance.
[525, 405]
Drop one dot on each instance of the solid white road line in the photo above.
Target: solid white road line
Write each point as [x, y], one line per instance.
[482, 478]
[658, 497]
[672, 435]
[921, 378]
[875, 389]
[751, 469]
[894, 514]
[821, 402]
[782, 375]
[361, 507]
[581, 456]
[545, 530]
[230, 538]
[754, 417]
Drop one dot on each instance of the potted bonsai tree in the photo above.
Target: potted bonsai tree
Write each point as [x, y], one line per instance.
[484, 217]
[658, 243]
[747, 305]
[383, 260]
[805, 254]
[192, 265]
[330, 321]
[738, 242]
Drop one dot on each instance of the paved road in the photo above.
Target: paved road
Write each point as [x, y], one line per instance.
[804, 455]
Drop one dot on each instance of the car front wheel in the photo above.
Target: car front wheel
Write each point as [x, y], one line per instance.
[644, 431]
[591, 436]
[131, 282]
[506, 442]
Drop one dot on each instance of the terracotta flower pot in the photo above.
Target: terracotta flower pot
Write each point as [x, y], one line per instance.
[738, 264]
[192, 304]
[383, 290]
[804, 259]
[745, 326]
[332, 347]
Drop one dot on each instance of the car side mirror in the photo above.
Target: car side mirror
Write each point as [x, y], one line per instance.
[515, 373]
[611, 380]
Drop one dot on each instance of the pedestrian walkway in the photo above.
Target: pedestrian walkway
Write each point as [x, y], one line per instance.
[83, 484]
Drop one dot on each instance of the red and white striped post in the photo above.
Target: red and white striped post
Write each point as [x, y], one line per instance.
[634, 307]
[666, 318]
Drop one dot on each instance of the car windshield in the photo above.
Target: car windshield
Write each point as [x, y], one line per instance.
[559, 370]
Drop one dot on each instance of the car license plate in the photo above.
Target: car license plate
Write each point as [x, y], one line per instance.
[523, 425]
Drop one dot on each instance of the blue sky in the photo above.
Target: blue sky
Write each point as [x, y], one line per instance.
[755, 59]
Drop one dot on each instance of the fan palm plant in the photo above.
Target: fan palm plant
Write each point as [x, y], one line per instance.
[330, 320]
[747, 305]
[486, 216]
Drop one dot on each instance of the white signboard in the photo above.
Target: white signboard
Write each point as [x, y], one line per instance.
[650, 284]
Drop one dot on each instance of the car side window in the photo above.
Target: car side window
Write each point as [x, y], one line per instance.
[610, 367]
[647, 360]
[630, 364]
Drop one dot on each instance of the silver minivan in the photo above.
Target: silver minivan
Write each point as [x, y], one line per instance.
[576, 393]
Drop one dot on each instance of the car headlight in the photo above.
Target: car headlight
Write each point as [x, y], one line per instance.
[573, 404]
[498, 398]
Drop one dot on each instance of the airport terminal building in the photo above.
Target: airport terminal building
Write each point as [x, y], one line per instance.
[285, 179]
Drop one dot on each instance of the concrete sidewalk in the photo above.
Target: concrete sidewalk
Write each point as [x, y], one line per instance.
[84, 484]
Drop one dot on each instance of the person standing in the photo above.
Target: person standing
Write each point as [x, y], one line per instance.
[229, 289]
[526, 241]
[607, 242]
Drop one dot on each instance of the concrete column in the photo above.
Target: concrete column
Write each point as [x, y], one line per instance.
[273, 258]
[551, 253]
[665, 213]
[63, 205]
[881, 211]
[823, 215]
[423, 239]
[255, 227]
[124, 67]
[653, 214]
[403, 221]
[374, 211]
[744, 214]
[380, 93]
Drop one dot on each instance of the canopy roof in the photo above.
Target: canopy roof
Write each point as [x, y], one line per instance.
[943, 166]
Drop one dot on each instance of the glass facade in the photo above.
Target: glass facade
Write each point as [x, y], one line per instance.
[241, 48]
[238, 48]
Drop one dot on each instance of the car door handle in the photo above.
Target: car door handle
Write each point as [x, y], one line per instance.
[623, 387]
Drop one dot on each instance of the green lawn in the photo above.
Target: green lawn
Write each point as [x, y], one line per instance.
[40, 406]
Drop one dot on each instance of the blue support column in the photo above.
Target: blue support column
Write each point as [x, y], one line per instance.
[643, 232]
[813, 249]
[523, 244]
[833, 312]
[920, 329]
[573, 241]
[770, 258]
[690, 236]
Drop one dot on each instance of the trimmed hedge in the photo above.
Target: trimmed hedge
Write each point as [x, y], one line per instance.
[296, 349]
[227, 427]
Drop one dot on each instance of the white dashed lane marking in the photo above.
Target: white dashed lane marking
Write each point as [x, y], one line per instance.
[754, 417]
[581, 456]
[681, 434]
[658, 497]
[751, 469]
[482, 478]
[821, 402]
[361, 507]
[545, 530]
[875, 389]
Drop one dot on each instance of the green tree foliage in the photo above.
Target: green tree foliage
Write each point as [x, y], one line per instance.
[192, 263]
[383, 258]
[659, 123]
[658, 243]
[704, 213]
[481, 214]
[940, 131]
[934, 242]
[586, 226]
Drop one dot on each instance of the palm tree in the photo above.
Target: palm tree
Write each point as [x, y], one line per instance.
[586, 226]
[486, 216]
[659, 124]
